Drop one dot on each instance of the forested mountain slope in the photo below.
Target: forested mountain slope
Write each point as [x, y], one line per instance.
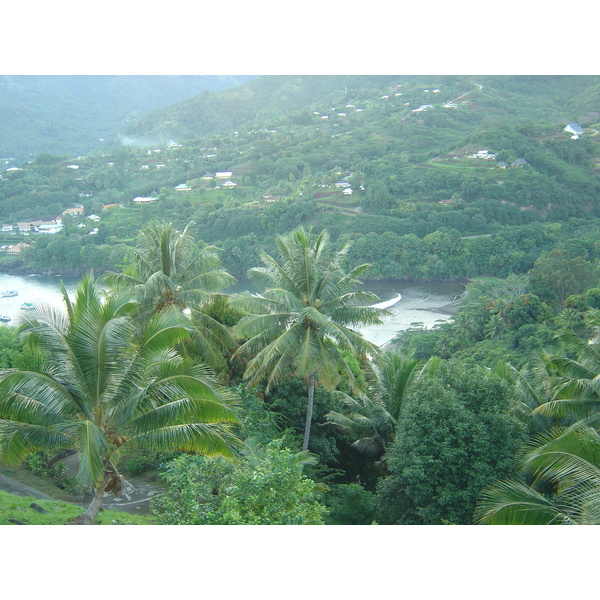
[432, 177]
[69, 113]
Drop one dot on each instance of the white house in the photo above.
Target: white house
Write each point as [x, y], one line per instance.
[423, 108]
[144, 200]
[224, 175]
[50, 228]
[484, 154]
[182, 187]
[348, 191]
[229, 184]
[574, 128]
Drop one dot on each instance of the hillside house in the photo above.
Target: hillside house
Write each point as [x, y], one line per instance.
[78, 210]
[520, 162]
[49, 227]
[182, 187]
[483, 154]
[17, 249]
[223, 175]
[229, 184]
[423, 108]
[144, 200]
[348, 191]
[575, 129]
[208, 176]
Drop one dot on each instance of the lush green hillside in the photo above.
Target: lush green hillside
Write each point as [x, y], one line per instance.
[426, 201]
[69, 114]
[252, 104]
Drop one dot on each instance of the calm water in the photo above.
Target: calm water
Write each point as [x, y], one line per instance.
[416, 302]
[34, 289]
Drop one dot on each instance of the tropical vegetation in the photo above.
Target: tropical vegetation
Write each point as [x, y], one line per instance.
[269, 407]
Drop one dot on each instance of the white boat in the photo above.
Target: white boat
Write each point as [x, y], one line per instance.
[9, 293]
[4, 318]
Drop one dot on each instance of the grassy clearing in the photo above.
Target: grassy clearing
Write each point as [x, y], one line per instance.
[16, 510]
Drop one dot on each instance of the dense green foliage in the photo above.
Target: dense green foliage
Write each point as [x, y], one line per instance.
[454, 439]
[426, 433]
[97, 384]
[266, 488]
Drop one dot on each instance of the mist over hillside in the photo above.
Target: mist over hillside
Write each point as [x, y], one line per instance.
[74, 114]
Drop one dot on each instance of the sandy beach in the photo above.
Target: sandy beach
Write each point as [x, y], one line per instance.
[426, 310]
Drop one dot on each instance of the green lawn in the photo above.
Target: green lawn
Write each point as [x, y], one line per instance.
[18, 509]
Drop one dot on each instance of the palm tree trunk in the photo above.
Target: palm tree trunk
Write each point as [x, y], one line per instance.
[91, 512]
[309, 410]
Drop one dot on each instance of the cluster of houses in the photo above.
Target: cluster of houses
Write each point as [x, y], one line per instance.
[45, 226]
[485, 155]
[184, 187]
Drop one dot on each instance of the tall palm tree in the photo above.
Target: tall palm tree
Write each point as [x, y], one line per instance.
[168, 269]
[305, 315]
[96, 387]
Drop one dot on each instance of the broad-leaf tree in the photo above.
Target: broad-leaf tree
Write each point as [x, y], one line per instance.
[97, 386]
[308, 311]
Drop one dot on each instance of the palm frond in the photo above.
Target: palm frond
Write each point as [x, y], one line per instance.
[514, 503]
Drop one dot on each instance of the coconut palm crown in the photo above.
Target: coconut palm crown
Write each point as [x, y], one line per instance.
[305, 315]
[95, 387]
[167, 269]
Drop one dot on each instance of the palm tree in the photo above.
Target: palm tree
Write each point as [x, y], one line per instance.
[564, 462]
[372, 418]
[304, 316]
[167, 269]
[96, 387]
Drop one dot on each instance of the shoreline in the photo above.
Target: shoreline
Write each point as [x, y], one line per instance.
[418, 310]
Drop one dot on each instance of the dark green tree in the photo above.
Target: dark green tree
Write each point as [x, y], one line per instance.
[455, 437]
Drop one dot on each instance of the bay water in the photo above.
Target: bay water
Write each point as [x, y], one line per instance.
[409, 303]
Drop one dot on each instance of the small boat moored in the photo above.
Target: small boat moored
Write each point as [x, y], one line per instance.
[4, 318]
[9, 293]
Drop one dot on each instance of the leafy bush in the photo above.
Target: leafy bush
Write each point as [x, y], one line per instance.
[350, 504]
[266, 488]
